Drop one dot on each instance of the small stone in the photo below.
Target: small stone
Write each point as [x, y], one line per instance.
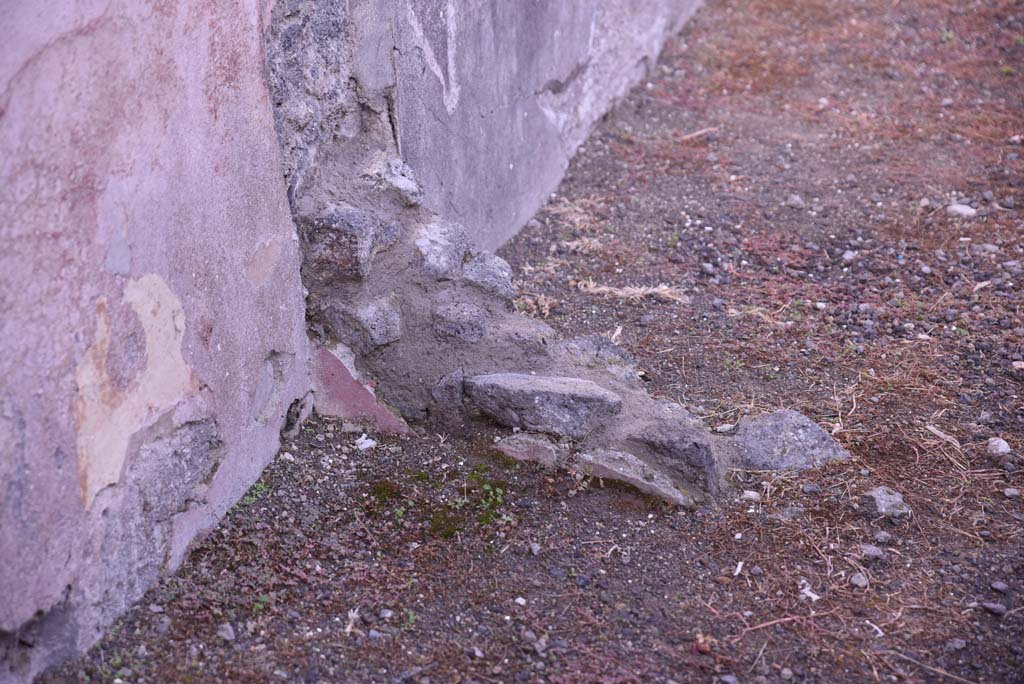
[961, 210]
[859, 580]
[1001, 587]
[884, 501]
[810, 488]
[535, 548]
[226, 632]
[286, 456]
[997, 446]
[870, 552]
[750, 495]
[790, 512]
[707, 268]
[956, 645]
[795, 202]
[477, 653]
[520, 601]
[724, 428]
[849, 255]
[374, 634]
[155, 608]
[1011, 493]
[786, 674]
[883, 537]
[386, 613]
[728, 679]
[994, 608]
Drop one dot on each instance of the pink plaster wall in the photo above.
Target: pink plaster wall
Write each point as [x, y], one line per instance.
[140, 194]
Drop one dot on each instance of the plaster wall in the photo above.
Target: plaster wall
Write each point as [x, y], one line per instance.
[152, 325]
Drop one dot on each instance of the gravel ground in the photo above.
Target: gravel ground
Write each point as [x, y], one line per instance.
[764, 224]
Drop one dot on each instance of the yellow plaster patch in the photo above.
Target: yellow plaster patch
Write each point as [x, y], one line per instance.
[108, 417]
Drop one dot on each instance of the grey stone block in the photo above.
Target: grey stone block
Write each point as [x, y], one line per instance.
[569, 407]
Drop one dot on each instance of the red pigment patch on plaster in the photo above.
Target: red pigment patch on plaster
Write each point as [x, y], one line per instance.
[340, 395]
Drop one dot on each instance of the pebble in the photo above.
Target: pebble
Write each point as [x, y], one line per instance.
[811, 489]
[849, 255]
[1011, 493]
[520, 601]
[750, 495]
[795, 201]
[728, 679]
[386, 613]
[883, 537]
[997, 446]
[884, 501]
[956, 644]
[994, 608]
[535, 548]
[961, 210]
[870, 552]
[226, 632]
[859, 579]
[477, 653]
[786, 674]
[724, 428]
[374, 634]
[1001, 587]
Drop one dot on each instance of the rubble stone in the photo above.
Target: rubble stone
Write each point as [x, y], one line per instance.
[490, 273]
[625, 467]
[564, 406]
[784, 440]
[527, 447]
[443, 246]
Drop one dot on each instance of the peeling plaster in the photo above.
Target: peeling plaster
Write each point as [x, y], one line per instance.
[450, 89]
[107, 417]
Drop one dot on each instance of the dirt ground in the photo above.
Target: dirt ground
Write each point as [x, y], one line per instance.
[785, 174]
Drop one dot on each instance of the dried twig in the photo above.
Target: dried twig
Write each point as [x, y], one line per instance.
[935, 670]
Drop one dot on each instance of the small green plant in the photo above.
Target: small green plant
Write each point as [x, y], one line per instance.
[1007, 70]
[399, 513]
[260, 605]
[493, 498]
[410, 620]
[254, 493]
[1018, 40]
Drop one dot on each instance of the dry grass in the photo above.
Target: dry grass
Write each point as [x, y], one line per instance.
[635, 293]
